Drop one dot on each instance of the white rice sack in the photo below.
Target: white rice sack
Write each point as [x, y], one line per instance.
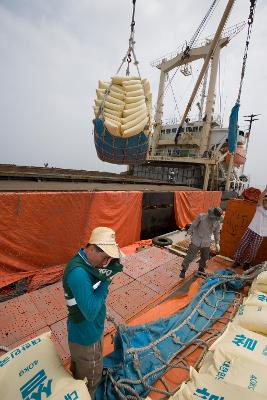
[134, 122]
[260, 283]
[204, 386]
[107, 85]
[109, 111]
[146, 86]
[135, 93]
[135, 129]
[108, 104]
[131, 82]
[34, 371]
[113, 117]
[135, 99]
[109, 98]
[134, 88]
[253, 318]
[133, 106]
[119, 79]
[113, 127]
[117, 95]
[131, 111]
[134, 116]
[237, 340]
[231, 368]
[256, 298]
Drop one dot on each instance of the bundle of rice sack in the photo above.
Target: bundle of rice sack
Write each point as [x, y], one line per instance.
[233, 368]
[243, 342]
[260, 283]
[125, 104]
[256, 298]
[34, 371]
[252, 317]
[204, 386]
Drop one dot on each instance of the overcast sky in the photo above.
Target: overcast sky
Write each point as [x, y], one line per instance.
[53, 52]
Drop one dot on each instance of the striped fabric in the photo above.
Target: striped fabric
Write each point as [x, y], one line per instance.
[248, 247]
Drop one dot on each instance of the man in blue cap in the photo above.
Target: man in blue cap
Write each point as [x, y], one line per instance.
[201, 232]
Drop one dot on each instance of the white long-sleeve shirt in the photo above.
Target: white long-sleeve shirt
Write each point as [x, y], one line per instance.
[259, 221]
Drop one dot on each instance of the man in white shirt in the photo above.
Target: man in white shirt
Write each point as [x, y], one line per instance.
[253, 237]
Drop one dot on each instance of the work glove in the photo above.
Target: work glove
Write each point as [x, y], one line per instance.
[217, 246]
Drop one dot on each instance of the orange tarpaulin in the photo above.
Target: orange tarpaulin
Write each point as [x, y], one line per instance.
[187, 205]
[42, 230]
[239, 214]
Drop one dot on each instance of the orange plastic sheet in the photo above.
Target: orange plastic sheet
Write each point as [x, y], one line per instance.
[40, 231]
[132, 248]
[187, 205]
[238, 216]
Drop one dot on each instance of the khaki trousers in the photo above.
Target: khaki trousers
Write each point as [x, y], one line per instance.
[87, 362]
[191, 254]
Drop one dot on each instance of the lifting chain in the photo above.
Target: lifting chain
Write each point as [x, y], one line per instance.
[131, 41]
[250, 22]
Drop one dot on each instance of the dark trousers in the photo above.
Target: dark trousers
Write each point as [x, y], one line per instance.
[191, 254]
[87, 362]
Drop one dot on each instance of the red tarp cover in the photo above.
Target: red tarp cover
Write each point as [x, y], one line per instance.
[42, 230]
[188, 205]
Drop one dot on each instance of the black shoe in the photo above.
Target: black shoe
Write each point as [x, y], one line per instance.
[236, 265]
[200, 269]
[182, 274]
[246, 266]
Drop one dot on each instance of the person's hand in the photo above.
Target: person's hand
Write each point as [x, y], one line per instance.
[218, 248]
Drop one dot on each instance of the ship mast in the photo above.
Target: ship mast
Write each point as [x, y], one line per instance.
[210, 52]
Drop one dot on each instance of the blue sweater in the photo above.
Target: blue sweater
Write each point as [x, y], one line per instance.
[92, 305]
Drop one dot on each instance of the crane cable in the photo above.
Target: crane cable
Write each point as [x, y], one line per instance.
[200, 28]
[130, 51]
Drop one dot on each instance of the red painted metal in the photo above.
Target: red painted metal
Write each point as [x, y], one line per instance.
[50, 303]
[120, 280]
[19, 319]
[60, 338]
[127, 300]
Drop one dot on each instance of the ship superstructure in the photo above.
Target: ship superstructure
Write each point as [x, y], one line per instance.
[194, 151]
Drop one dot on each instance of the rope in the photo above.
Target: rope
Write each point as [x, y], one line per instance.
[250, 22]
[124, 386]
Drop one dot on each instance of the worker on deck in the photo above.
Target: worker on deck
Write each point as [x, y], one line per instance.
[253, 236]
[201, 230]
[86, 282]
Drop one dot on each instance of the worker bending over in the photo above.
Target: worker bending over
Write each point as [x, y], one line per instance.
[201, 230]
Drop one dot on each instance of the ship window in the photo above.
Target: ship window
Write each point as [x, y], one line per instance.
[200, 128]
[162, 130]
[168, 131]
[195, 129]
[174, 130]
[182, 130]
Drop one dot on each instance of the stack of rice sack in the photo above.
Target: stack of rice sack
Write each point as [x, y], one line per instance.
[236, 363]
[127, 105]
[33, 371]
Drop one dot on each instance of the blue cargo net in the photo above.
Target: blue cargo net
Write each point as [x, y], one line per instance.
[119, 150]
[144, 353]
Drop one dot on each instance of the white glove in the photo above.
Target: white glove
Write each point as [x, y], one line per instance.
[217, 246]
